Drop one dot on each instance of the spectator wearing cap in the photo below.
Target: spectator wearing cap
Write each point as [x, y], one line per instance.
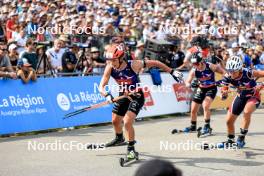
[157, 167]
[69, 61]
[30, 54]
[54, 55]
[234, 50]
[139, 52]
[97, 62]
[13, 54]
[10, 25]
[64, 42]
[6, 69]
[25, 71]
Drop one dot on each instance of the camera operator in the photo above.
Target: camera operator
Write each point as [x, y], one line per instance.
[69, 61]
[54, 55]
[6, 69]
[97, 62]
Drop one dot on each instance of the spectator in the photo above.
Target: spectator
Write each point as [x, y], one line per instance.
[10, 25]
[6, 69]
[259, 57]
[69, 61]
[157, 167]
[97, 61]
[176, 57]
[2, 31]
[13, 55]
[21, 40]
[25, 71]
[139, 53]
[30, 54]
[54, 55]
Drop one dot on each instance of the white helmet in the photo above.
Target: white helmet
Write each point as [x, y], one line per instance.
[234, 63]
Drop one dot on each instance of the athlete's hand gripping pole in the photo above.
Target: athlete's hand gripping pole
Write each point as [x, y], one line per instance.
[178, 76]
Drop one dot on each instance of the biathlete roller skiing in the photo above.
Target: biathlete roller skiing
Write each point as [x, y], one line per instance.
[126, 109]
[247, 100]
[204, 72]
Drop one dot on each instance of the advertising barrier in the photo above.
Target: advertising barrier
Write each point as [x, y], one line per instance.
[42, 105]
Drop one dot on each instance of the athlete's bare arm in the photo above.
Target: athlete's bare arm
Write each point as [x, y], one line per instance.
[258, 73]
[105, 79]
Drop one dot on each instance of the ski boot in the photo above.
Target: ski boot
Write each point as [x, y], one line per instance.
[116, 142]
[241, 141]
[206, 130]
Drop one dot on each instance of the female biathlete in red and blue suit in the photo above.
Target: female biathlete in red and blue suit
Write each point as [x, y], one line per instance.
[247, 98]
[125, 74]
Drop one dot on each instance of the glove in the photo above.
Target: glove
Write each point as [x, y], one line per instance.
[109, 97]
[178, 76]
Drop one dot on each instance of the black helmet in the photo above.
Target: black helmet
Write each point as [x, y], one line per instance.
[200, 41]
[196, 58]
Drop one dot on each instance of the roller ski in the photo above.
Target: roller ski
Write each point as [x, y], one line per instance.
[205, 131]
[185, 130]
[229, 144]
[114, 143]
[130, 157]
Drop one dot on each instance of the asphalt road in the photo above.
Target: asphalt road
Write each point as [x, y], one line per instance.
[39, 155]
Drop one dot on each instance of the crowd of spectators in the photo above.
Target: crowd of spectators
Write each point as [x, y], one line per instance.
[61, 37]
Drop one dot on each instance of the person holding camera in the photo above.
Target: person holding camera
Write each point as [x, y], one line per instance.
[69, 61]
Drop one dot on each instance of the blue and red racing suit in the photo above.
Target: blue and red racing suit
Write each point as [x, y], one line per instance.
[128, 81]
[246, 90]
[207, 86]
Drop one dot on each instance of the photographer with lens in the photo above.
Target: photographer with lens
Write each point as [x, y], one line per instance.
[69, 60]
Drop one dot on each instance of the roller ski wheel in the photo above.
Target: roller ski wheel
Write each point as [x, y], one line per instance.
[203, 132]
[174, 131]
[126, 159]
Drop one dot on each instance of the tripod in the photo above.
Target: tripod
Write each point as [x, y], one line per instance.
[80, 59]
[46, 64]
